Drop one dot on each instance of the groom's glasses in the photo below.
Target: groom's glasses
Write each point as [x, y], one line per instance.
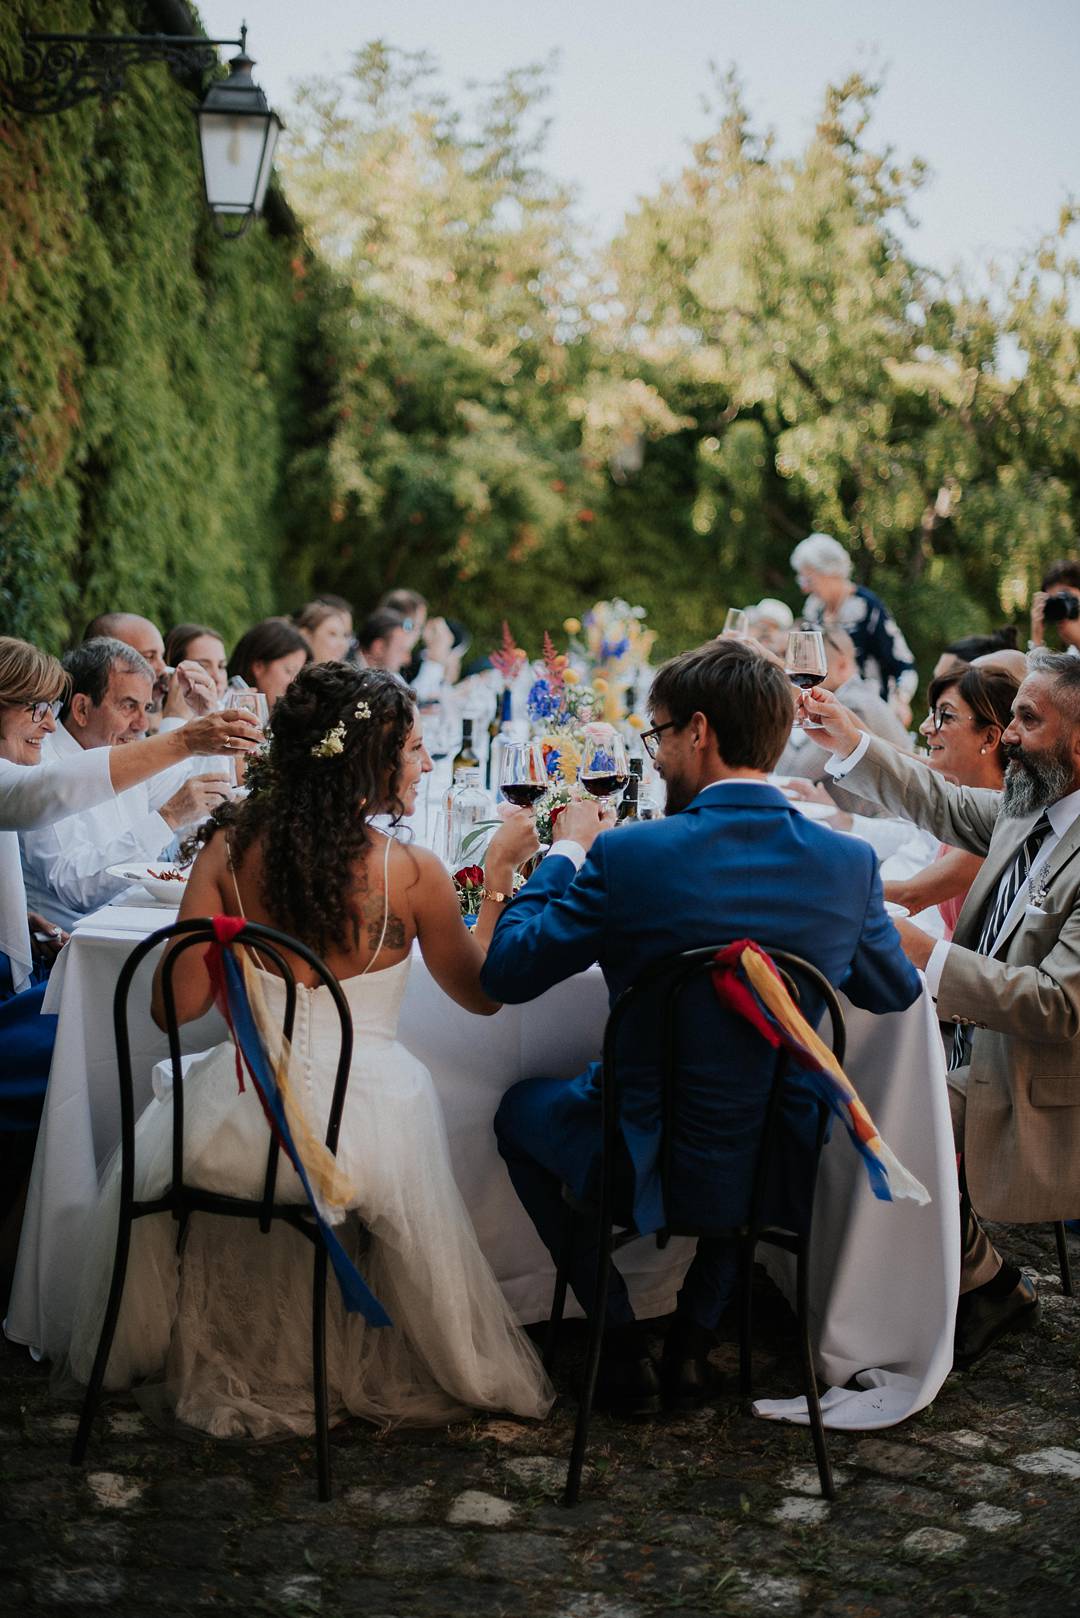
[650, 739]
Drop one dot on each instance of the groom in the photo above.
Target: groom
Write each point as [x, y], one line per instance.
[733, 859]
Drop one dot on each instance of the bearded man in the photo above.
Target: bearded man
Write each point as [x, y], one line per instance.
[1009, 982]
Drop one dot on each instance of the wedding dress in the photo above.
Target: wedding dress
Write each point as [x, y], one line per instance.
[219, 1335]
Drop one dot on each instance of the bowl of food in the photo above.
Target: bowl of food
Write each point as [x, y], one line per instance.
[164, 882]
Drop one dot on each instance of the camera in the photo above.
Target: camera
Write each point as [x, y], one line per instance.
[1061, 605]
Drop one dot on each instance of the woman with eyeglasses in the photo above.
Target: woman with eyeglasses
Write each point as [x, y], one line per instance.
[970, 706]
[33, 794]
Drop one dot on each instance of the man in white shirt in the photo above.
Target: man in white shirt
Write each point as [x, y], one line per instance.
[1009, 982]
[65, 865]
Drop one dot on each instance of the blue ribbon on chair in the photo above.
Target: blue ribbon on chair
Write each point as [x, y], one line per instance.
[229, 980]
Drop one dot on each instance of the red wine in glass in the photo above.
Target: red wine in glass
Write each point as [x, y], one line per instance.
[522, 794]
[602, 786]
[805, 663]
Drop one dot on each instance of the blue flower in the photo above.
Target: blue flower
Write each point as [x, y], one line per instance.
[542, 702]
[552, 761]
[611, 651]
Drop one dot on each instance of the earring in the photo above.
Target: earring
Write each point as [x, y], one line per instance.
[982, 749]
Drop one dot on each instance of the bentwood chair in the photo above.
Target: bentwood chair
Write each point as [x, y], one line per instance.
[182, 1200]
[661, 989]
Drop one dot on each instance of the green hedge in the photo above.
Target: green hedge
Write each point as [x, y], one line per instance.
[162, 402]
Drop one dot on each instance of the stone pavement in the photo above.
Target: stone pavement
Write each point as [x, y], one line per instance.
[971, 1508]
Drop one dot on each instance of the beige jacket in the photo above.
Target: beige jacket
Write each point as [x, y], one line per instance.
[1022, 1124]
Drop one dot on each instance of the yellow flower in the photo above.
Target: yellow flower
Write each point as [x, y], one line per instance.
[635, 721]
[572, 625]
[600, 684]
[571, 677]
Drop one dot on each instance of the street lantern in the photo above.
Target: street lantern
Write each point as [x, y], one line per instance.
[238, 131]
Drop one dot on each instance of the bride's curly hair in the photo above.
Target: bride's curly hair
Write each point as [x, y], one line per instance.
[337, 737]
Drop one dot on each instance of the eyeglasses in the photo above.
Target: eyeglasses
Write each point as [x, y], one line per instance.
[650, 739]
[38, 710]
[944, 716]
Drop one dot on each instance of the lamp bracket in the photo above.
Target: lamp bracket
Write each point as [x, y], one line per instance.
[60, 70]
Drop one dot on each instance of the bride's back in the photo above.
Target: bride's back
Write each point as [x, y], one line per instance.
[301, 854]
[380, 926]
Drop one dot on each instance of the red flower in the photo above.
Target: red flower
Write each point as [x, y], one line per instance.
[470, 876]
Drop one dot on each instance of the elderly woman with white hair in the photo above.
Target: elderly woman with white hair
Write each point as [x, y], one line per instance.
[823, 568]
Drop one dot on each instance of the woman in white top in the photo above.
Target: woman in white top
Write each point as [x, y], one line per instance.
[31, 686]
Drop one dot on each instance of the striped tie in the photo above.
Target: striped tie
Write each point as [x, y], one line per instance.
[997, 910]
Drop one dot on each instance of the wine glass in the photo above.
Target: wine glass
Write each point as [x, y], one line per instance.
[522, 773]
[604, 770]
[736, 622]
[805, 663]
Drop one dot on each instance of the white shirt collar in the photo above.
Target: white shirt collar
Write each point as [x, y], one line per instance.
[738, 781]
[1062, 813]
[62, 743]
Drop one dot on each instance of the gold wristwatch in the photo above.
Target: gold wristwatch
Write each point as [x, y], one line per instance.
[499, 898]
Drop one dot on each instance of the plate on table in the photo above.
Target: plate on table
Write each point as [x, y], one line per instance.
[164, 882]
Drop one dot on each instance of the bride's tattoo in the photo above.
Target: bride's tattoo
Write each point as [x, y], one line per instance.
[395, 932]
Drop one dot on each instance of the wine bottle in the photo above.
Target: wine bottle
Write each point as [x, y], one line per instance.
[628, 808]
[498, 724]
[466, 758]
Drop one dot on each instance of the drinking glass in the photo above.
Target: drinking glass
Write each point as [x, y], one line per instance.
[805, 663]
[604, 770]
[522, 773]
[736, 622]
[254, 703]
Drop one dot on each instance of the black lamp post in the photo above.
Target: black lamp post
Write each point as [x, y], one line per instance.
[238, 130]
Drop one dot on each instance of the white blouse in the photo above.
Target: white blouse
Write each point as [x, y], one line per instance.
[31, 796]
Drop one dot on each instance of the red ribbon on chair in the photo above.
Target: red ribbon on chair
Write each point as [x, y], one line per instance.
[226, 929]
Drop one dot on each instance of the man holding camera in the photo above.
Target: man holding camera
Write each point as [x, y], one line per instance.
[1058, 603]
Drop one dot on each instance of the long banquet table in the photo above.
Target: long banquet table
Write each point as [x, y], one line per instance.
[884, 1276]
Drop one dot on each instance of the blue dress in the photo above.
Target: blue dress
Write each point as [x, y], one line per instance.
[26, 1040]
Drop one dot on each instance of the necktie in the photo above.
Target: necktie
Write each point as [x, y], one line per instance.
[996, 911]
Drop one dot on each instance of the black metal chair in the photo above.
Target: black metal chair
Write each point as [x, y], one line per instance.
[663, 985]
[1063, 1258]
[182, 1200]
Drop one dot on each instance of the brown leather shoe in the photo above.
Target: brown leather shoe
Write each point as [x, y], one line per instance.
[980, 1320]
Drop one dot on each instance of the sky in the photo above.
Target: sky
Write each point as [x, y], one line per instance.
[986, 91]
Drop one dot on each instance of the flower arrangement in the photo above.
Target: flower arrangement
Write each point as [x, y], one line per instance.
[616, 647]
[469, 882]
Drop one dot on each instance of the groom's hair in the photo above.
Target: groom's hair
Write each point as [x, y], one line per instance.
[744, 696]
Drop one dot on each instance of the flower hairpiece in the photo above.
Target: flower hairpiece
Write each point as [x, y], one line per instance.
[333, 742]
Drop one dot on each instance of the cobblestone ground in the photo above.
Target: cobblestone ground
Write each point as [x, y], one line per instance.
[969, 1509]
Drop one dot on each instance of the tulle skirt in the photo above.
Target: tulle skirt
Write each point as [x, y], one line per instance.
[216, 1333]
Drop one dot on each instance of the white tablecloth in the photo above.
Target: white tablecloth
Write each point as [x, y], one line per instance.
[885, 1276]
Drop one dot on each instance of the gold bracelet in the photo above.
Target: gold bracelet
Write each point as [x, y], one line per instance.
[499, 898]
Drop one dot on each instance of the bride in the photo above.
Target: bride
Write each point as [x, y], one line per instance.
[219, 1333]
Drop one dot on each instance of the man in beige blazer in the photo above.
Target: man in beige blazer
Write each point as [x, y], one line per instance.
[1009, 982]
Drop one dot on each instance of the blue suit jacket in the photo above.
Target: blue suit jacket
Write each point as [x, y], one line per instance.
[739, 862]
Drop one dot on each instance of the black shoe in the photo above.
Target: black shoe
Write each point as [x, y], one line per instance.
[685, 1374]
[981, 1320]
[627, 1387]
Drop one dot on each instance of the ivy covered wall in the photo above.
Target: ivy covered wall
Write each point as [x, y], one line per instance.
[162, 391]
